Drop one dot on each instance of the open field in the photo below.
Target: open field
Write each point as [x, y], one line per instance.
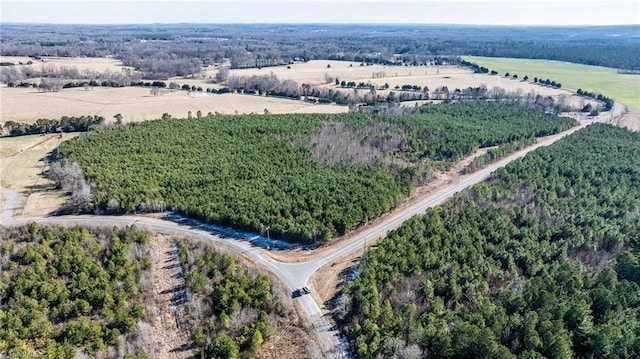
[21, 166]
[316, 72]
[137, 104]
[99, 64]
[622, 88]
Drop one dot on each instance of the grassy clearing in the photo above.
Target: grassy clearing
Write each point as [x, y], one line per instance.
[622, 88]
[21, 166]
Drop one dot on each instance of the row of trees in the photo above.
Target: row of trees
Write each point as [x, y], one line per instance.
[19, 75]
[254, 171]
[65, 291]
[43, 125]
[608, 102]
[541, 261]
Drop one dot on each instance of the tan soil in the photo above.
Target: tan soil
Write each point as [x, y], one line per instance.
[631, 121]
[295, 340]
[291, 339]
[21, 166]
[137, 104]
[99, 64]
[164, 328]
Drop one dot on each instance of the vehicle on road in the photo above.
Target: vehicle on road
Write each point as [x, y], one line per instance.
[300, 292]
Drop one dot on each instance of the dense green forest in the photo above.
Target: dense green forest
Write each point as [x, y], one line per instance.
[541, 261]
[497, 153]
[69, 289]
[233, 310]
[306, 177]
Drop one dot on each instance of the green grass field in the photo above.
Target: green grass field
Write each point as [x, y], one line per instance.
[622, 88]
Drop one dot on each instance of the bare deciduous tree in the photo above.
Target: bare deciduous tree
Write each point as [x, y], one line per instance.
[70, 178]
[222, 74]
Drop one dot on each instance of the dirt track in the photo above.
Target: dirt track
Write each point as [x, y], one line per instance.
[170, 342]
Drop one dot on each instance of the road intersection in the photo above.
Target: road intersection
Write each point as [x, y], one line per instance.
[297, 274]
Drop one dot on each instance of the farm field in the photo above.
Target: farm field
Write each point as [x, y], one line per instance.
[621, 87]
[21, 165]
[99, 64]
[317, 71]
[137, 104]
[432, 76]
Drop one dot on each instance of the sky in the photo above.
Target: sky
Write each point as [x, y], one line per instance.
[477, 12]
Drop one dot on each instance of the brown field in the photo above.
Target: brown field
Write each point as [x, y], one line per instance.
[315, 72]
[21, 165]
[630, 121]
[81, 63]
[137, 104]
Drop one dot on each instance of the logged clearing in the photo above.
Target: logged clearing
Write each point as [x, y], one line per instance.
[623, 88]
[21, 165]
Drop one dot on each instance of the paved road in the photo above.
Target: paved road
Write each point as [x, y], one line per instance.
[296, 275]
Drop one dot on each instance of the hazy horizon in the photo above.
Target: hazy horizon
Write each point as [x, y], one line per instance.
[403, 12]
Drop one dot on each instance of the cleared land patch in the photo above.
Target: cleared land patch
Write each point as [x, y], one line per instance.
[21, 168]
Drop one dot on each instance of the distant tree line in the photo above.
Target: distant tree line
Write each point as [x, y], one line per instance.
[182, 50]
[15, 76]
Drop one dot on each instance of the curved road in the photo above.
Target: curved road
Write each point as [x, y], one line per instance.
[296, 275]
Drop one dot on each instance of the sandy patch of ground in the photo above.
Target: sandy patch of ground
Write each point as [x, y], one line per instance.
[312, 72]
[294, 338]
[21, 166]
[630, 121]
[137, 104]
[169, 341]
